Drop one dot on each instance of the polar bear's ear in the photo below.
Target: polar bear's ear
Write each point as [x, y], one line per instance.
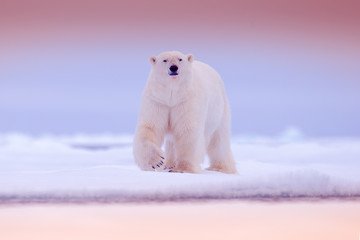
[152, 60]
[190, 58]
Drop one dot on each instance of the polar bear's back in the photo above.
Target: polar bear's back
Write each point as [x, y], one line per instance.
[206, 72]
[209, 79]
[212, 85]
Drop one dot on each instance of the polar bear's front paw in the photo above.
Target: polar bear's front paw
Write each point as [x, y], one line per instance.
[149, 157]
[158, 165]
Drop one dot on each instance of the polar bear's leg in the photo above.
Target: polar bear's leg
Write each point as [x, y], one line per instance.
[149, 135]
[147, 148]
[170, 154]
[190, 152]
[219, 151]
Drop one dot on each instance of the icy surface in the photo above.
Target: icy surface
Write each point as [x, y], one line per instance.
[102, 167]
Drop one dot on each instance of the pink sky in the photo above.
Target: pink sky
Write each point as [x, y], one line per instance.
[319, 23]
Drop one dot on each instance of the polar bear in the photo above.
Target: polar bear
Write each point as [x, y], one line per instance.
[184, 104]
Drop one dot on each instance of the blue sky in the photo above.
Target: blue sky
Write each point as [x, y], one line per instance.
[96, 88]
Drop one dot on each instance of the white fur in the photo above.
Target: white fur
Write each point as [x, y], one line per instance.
[190, 112]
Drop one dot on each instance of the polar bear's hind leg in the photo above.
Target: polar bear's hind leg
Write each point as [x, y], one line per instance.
[219, 152]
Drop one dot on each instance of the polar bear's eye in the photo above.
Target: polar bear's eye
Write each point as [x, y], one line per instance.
[165, 60]
[180, 59]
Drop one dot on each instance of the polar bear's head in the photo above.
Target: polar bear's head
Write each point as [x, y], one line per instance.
[172, 65]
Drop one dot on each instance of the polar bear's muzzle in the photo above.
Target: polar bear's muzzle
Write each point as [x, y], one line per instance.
[173, 70]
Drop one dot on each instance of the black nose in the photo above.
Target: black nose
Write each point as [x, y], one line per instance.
[173, 68]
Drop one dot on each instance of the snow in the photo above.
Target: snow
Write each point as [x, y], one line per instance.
[101, 168]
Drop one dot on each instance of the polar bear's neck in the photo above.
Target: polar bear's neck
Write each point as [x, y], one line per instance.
[169, 93]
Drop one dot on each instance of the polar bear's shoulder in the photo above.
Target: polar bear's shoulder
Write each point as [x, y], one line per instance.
[204, 70]
[201, 66]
